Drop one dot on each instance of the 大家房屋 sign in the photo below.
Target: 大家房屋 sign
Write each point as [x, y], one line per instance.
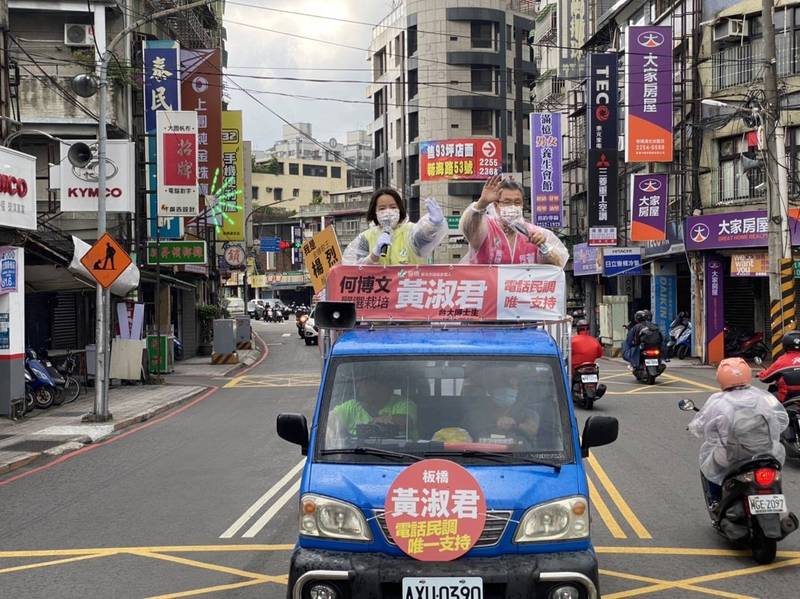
[732, 230]
[649, 200]
[460, 159]
[546, 169]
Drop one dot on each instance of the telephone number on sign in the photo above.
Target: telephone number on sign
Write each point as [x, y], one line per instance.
[489, 162]
[488, 172]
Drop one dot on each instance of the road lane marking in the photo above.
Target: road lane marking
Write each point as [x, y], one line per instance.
[691, 382]
[616, 497]
[274, 380]
[156, 549]
[57, 561]
[204, 565]
[274, 509]
[605, 514]
[286, 335]
[215, 589]
[656, 588]
[261, 501]
[685, 587]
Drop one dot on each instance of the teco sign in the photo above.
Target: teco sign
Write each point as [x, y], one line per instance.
[602, 122]
[17, 180]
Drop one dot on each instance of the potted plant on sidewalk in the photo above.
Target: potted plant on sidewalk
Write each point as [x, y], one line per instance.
[206, 313]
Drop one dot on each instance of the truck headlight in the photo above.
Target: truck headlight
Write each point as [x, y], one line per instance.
[555, 521]
[329, 518]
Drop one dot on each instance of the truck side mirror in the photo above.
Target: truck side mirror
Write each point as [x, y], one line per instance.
[598, 430]
[294, 429]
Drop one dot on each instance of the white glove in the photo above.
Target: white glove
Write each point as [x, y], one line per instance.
[434, 211]
[384, 239]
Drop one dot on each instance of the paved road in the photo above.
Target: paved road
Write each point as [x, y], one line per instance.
[203, 502]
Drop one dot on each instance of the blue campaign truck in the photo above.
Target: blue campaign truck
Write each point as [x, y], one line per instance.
[493, 397]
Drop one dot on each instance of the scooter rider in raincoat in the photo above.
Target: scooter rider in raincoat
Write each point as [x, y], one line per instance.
[736, 424]
[493, 226]
[392, 240]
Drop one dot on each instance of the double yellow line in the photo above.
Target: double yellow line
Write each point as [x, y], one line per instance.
[602, 508]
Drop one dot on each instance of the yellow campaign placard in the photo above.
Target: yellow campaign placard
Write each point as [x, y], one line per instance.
[232, 219]
[320, 254]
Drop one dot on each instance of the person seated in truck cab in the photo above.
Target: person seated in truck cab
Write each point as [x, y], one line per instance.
[509, 416]
[374, 402]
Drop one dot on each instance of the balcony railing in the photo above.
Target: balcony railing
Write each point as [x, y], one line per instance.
[549, 86]
[743, 63]
[327, 208]
[737, 188]
[546, 27]
[523, 6]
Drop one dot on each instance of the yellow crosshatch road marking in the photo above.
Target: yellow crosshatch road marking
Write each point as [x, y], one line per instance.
[685, 587]
[617, 499]
[605, 514]
[273, 380]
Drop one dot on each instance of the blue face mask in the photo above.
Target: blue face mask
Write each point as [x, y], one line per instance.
[505, 396]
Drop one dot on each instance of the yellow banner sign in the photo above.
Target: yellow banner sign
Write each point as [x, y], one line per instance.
[321, 253]
[232, 218]
[750, 265]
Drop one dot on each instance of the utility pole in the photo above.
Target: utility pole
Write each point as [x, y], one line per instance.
[781, 281]
[101, 412]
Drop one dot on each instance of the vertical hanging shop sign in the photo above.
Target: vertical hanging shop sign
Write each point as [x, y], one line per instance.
[649, 200]
[161, 92]
[602, 197]
[177, 163]
[231, 218]
[603, 105]
[648, 94]
[715, 309]
[201, 91]
[546, 169]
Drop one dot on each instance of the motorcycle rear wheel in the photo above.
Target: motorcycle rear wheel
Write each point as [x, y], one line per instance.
[43, 398]
[651, 380]
[762, 548]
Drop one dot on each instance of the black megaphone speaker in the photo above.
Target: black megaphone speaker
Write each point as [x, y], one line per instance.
[339, 316]
[79, 154]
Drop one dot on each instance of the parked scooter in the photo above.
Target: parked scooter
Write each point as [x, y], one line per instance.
[745, 344]
[586, 388]
[67, 386]
[680, 336]
[42, 385]
[753, 508]
[30, 399]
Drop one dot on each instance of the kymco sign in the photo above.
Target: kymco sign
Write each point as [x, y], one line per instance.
[79, 184]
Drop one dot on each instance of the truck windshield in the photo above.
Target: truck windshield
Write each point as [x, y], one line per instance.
[471, 409]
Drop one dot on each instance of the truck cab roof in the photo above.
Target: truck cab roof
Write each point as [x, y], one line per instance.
[463, 340]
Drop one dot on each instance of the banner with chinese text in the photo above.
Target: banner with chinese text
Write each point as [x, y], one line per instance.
[174, 253]
[320, 254]
[648, 94]
[649, 202]
[176, 137]
[161, 92]
[546, 207]
[602, 196]
[460, 159]
[231, 219]
[451, 292]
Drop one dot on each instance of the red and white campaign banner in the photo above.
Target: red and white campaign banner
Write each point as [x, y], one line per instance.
[176, 136]
[451, 292]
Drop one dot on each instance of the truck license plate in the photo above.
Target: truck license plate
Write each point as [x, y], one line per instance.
[767, 504]
[651, 362]
[588, 378]
[443, 588]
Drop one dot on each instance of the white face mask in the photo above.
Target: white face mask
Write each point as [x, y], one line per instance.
[388, 217]
[509, 214]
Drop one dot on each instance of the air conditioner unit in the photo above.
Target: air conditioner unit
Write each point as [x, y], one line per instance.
[78, 34]
[731, 30]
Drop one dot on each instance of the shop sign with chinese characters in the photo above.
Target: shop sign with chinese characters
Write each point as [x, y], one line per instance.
[546, 169]
[602, 197]
[161, 92]
[435, 511]
[729, 230]
[648, 93]
[622, 261]
[649, 200]
[320, 254]
[177, 163]
[460, 159]
[457, 292]
[174, 253]
[8, 270]
[17, 190]
[750, 265]
[231, 225]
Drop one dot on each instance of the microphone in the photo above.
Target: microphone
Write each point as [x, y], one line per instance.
[385, 248]
[520, 228]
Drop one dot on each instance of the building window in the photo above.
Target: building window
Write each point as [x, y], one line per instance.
[398, 133]
[315, 170]
[481, 78]
[277, 194]
[510, 163]
[413, 168]
[413, 126]
[316, 195]
[482, 122]
[254, 191]
[294, 168]
[482, 33]
[509, 37]
[509, 81]
[379, 102]
[336, 172]
[398, 50]
[734, 182]
[413, 83]
[398, 92]
[378, 145]
[295, 192]
[379, 63]
[412, 40]
[510, 122]
[380, 178]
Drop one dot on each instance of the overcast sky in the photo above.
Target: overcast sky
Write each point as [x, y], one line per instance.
[283, 56]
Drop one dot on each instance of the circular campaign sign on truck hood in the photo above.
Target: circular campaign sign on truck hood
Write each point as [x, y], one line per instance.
[435, 511]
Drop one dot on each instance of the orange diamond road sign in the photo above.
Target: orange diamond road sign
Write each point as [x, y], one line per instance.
[106, 260]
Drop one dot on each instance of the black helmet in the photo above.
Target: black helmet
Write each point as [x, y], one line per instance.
[640, 316]
[581, 325]
[648, 315]
[791, 341]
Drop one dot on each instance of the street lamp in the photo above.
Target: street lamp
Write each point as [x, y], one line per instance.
[103, 301]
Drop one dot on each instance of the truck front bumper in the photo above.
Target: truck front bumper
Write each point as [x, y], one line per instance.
[380, 576]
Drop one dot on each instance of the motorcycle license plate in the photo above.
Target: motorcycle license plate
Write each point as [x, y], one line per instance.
[651, 362]
[588, 378]
[443, 588]
[767, 504]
